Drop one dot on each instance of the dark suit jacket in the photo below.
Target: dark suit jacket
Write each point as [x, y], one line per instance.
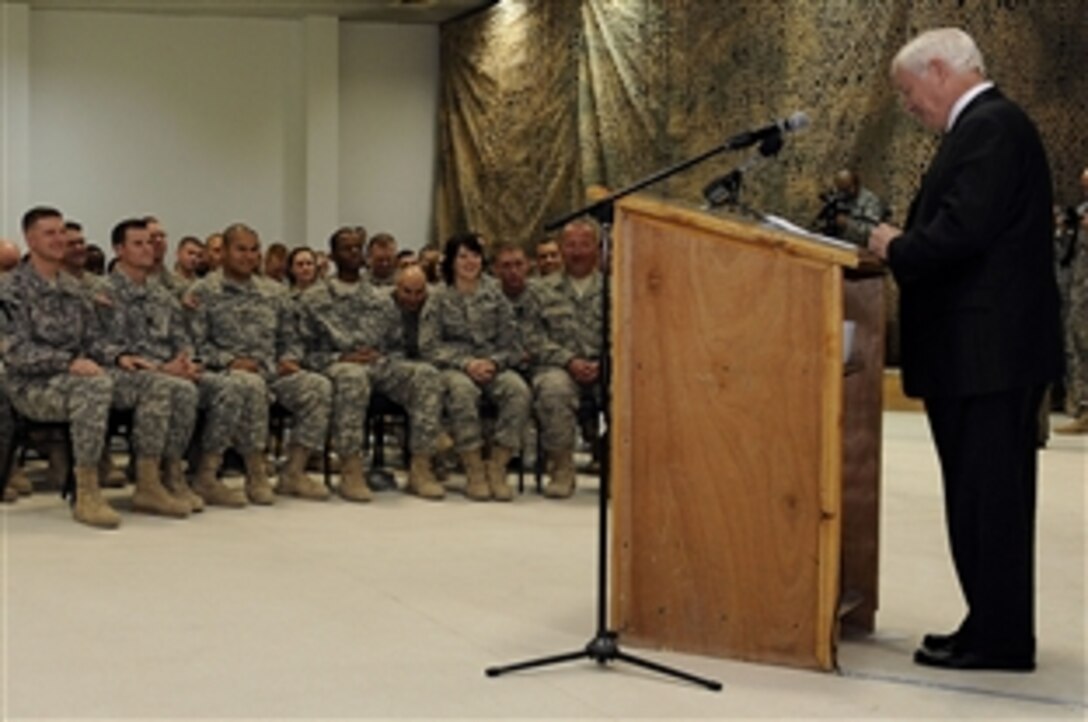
[979, 302]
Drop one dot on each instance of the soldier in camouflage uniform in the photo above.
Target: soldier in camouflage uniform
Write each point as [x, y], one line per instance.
[854, 211]
[467, 331]
[145, 322]
[245, 328]
[1076, 324]
[188, 264]
[55, 359]
[176, 285]
[511, 268]
[381, 260]
[351, 332]
[75, 262]
[16, 483]
[96, 287]
[549, 260]
[410, 295]
[566, 333]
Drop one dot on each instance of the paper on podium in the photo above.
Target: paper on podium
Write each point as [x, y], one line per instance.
[783, 224]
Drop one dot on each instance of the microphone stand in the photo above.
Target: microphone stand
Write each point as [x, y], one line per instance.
[604, 647]
[725, 190]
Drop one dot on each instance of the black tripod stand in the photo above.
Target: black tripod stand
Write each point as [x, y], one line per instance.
[604, 646]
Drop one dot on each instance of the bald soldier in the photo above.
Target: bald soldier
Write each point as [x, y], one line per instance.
[351, 331]
[9, 255]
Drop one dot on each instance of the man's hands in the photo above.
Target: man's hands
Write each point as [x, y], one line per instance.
[360, 356]
[132, 362]
[84, 367]
[881, 237]
[183, 367]
[244, 364]
[481, 370]
[583, 371]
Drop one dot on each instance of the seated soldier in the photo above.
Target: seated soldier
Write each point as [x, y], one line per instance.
[275, 263]
[189, 263]
[245, 328]
[350, 332]
[18, 483]
[467, 331]
[144, 320]
[213, 253]
[61, 368]
[75, 259]
[567, 334]
[511, 268]
[549, 261]
[410, 294]
[381, 259]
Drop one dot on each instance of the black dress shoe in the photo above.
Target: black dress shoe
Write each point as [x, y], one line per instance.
[952, 658]
[940, 642]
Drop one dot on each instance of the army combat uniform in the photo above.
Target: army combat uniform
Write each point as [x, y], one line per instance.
[255, 320]
[567, 325]
[53, 324]
[339, 318]
[454, 329]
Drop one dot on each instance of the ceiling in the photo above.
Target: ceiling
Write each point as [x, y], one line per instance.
[391, 11]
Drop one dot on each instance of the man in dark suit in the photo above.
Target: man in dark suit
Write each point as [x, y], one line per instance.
[980, 335]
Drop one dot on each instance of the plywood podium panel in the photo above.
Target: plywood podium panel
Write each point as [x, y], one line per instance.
[727, 436]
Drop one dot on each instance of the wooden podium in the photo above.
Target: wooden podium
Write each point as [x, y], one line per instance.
[746, 453]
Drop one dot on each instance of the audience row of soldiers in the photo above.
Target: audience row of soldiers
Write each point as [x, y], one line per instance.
[233, 342]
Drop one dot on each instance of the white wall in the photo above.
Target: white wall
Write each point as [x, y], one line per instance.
[14, 115]
[388, 112]
[185, 118]
[203, 121]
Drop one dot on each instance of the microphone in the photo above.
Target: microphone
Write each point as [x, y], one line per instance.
[726, 188]
[796, 122]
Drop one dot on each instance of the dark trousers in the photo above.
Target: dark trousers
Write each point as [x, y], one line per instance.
[987, 450]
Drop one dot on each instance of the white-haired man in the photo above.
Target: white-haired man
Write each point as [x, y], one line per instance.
[980, 335]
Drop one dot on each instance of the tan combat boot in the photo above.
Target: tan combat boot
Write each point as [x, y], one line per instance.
[476, 487]
[10, 495]
[173, 478]
[258, 489]
[421, 481]
[294, 480]
[90, 508]
[213, 491]
[1078, 425]
[352, 480]
[562, 482]
[151, 496]
[496, 474]
[19, 483]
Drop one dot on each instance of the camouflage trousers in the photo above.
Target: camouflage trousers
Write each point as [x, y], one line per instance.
[7, 423]
[235, 405]
[1076, 348]
[414, 385]
[555, 403]
[507, 391]
[82, 401]
[308, 396]
[164, 409]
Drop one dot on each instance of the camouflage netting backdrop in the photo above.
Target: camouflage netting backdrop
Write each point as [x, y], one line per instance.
[543, 98]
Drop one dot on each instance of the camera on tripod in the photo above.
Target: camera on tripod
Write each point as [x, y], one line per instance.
[836, 203]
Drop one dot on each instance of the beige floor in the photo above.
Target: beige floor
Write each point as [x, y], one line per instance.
[323, 611]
